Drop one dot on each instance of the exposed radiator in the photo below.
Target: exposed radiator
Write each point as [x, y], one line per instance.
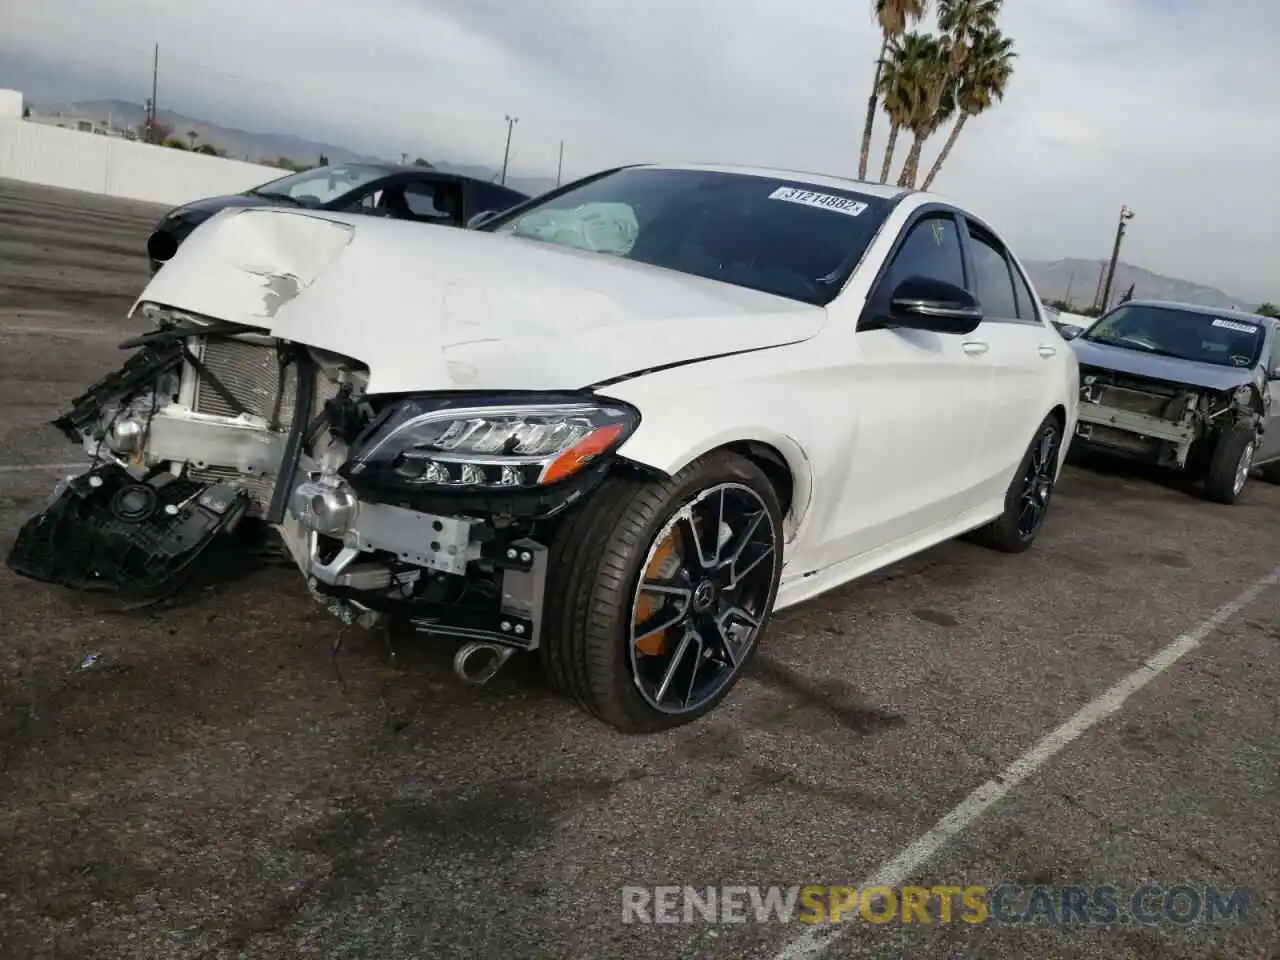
[251, 373]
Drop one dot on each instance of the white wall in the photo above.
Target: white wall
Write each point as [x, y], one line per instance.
[1078, 319]
[10, 105]
[117, 167]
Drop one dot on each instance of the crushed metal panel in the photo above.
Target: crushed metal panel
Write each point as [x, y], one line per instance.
[1140, 423]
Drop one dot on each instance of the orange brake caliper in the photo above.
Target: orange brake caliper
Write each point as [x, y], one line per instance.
[665, 563]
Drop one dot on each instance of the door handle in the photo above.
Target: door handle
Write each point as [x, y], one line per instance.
[975, 347]
[1047, 351]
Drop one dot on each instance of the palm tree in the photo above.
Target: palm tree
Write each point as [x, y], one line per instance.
[983, 79]
[962, 23]
[909, 59]
[932, 103]
[192, 136]
[894, 16]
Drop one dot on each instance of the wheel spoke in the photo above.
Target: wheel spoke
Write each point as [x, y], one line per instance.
[664, 619]
[696, 556]
[668, 588]
[736, 577]
[715, 558]
[745, 622]
[725, 642]
[695, 637]
[670, 673]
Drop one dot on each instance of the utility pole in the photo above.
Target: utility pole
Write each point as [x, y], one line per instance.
[1125, 216]
[1066, 297]
[155, 74]
[560, 164]
[506, 156]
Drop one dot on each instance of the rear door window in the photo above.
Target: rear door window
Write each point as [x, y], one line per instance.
[1028, 308]
[993, 280]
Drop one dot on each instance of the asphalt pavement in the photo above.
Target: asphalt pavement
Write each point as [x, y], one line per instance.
[213, 780]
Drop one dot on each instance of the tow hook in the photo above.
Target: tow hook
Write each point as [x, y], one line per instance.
[477, 663]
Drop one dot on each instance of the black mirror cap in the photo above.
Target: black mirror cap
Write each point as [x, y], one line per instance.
[482, 217]
[924, 303]
[1069, 331]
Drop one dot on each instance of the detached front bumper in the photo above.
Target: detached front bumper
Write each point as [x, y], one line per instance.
[107, 532]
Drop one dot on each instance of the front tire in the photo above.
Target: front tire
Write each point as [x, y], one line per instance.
[1026, 502]
[1230, 464]
[658, 592]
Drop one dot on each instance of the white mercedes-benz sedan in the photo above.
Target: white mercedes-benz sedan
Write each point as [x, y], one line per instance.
[619, 425]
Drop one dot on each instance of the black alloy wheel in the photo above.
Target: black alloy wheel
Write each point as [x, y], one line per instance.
[659, 590]
[701, 599]
[1027, 499]
[1037, 483]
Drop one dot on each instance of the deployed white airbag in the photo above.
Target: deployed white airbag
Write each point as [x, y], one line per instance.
[599, 227]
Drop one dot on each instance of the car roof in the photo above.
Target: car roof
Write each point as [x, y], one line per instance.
[1224, 312]
[392, 168]
[880, 190]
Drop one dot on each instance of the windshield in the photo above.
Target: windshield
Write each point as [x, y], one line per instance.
[311, 188]
[1186, 334]
[778, 236]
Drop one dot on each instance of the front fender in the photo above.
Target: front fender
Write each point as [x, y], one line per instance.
[688, 412]
[660, 445]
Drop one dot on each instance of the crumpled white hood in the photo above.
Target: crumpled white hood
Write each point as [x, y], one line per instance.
[429, 307]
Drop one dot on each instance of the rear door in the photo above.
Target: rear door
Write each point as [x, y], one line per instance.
[1022, 352]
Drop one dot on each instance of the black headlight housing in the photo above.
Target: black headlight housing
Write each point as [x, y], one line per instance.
[495, 444]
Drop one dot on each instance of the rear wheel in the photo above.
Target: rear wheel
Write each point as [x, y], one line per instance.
[1230, 464]
[658, 592]
[1026, 504]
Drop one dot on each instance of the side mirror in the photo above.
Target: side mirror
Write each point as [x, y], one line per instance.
[922, 303]
[1069, 331]
[482, 217]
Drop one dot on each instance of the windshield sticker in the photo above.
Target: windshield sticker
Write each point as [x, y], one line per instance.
[823, 201]
[1232, 325]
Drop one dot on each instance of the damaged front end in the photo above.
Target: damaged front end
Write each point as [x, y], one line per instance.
[1158, 422]
[435, 510]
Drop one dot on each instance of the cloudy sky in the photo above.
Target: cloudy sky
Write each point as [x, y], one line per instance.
[1169, 106]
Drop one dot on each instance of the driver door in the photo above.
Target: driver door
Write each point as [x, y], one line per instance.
[921, 400]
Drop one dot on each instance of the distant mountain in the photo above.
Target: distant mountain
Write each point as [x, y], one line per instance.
[1078, 279]
[257, 147]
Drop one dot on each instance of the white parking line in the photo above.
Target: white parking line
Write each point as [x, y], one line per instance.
[42, 467]
[907, 864]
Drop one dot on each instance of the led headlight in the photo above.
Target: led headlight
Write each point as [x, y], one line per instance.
[430, 442]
